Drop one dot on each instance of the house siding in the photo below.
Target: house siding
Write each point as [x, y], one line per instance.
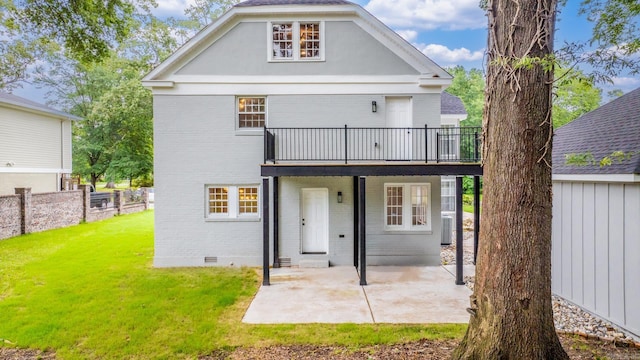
[30, 140]
[190, 155]
[395, 247]
[39, 148]
[38, 183]
[383, 247]
[364, 55]
[225, 156]
[595, 249]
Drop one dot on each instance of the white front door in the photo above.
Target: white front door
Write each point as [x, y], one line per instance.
[399, 119]
[315, 221]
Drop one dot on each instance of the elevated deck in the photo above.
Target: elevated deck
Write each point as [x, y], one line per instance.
[371, 151]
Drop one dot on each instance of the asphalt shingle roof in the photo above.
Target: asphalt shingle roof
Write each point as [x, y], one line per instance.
[292, 2]
[26, 103]
[451, 104]
[612, 127]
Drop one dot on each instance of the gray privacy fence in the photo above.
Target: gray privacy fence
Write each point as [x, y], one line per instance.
[596, 249]
[26, 212]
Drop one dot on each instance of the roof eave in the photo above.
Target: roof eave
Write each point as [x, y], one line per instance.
[37, 110]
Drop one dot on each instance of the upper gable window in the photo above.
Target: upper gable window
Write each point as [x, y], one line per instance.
[296, 41]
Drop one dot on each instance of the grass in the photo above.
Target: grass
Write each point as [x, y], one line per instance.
[467, 203]
[101, 186]
[90, 292]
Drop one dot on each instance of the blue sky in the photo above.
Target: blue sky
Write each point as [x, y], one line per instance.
[450, 32]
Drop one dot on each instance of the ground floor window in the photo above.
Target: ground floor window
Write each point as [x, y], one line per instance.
[448, 194]
[407, 207]
[233, 201]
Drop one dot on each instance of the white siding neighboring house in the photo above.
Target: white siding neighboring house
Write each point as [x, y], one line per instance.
[284, 109]
[35, 145]
[596, 213]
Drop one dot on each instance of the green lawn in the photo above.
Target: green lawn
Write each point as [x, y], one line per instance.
[89, 292]
[467, 203]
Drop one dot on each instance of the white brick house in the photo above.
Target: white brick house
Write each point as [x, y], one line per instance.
[293, 131]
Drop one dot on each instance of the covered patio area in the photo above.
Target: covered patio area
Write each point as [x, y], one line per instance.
[394, 294]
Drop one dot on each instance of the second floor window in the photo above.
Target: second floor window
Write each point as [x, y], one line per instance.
[251, 112]
[296, 41]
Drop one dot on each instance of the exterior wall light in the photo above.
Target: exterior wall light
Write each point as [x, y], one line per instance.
[374, 106]
[339, 197]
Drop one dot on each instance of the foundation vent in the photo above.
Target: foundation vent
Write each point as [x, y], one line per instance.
[210, 259]
[285, 262]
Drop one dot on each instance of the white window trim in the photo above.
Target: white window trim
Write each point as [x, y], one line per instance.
[451, 186]
[251, 130]
[233, 204]
[406, 209]
[296, 44]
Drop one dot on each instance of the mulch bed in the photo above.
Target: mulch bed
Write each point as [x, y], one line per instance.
[578, 348]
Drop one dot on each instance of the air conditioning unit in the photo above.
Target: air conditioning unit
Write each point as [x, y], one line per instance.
[447, 230]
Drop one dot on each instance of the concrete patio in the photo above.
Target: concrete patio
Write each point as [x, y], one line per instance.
[394, 294]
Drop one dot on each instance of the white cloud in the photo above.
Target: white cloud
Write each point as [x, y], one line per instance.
[173, 8]
[625, 81]
[409, 35]
[429, 14]
[441, 53]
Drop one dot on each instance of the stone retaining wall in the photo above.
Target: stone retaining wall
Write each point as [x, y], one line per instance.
[56, 210]
[25, 212]
[10, 216]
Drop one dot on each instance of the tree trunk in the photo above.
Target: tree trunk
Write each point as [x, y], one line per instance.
[94, 180]
[512, 298]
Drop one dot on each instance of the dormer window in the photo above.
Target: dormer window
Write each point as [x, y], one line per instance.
[296, 41]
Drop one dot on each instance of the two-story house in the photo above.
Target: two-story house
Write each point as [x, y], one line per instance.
[304, 133]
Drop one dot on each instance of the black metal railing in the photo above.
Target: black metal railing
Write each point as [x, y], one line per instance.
[354, 144]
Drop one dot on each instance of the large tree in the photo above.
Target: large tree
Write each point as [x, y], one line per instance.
[512, 315]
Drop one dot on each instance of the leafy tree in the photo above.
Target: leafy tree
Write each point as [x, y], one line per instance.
[128, 108]
[575, 95]
[87, 30]
[614, 94]
[614, 42]
[616, 23]
[469, 87]
[512, 317]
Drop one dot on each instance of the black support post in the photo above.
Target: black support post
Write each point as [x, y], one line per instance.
[363, 230]
[356, 218]
[265, 231]
[476, 216]
[459, 239]
[276, 229]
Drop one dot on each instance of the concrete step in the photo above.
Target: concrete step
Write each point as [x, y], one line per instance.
[308, 263]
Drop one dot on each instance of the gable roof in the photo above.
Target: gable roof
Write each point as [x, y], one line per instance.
[451, 105]
[431, 74]
[10, 100]
[612, 127]
[292, 2]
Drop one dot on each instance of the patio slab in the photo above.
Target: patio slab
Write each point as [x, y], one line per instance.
[394, 294]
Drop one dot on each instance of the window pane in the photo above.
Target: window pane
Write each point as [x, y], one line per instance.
[310, 40]
[448, 195]
[282, 41]
[419, 205]
[248, 200]
[251, 112]
[394, 205]
[218, 200]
